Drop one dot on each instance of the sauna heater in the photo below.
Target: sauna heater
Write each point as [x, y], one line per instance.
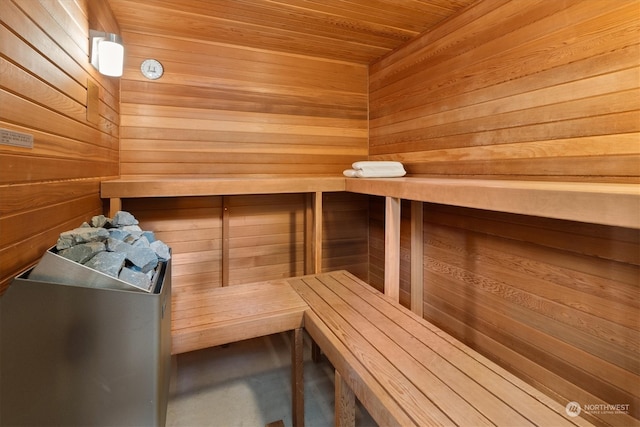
[79, 354]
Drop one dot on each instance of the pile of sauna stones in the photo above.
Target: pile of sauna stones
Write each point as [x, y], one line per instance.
[115, 246]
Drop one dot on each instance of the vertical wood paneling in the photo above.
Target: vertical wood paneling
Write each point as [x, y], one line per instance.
[44, 73]
[223, 110]
[524, 90]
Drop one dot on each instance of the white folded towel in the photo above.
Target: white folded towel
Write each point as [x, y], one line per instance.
[375, 169]
[377, 164]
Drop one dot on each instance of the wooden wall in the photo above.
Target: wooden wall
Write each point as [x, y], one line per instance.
[44, 74]
[524, 90]
[531, 90]
[227, 240]
[224, 110]
[555, 301]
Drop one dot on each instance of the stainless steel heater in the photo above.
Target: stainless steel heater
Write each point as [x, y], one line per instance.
[78, 353]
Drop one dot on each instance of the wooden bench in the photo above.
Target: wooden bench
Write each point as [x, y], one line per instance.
[404, 370]
[608, 204]
[223, 315]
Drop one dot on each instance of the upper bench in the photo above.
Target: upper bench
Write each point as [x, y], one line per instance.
[178, 187]
[598, 203]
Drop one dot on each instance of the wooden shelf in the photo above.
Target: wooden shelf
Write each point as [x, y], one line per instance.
[597, 203]
[178, 187]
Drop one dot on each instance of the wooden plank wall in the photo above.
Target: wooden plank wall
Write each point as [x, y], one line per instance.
[345, 233]
[540, 90]
[556, 301]
[524, 90]
[266, 237]
[224, 110]
[227, 240]
[44, 74]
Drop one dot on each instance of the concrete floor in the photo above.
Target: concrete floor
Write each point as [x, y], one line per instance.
[248, 384]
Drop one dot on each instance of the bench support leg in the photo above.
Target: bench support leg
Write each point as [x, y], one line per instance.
[297, 379]
[345, 404]
[392, 222]
[115, 205]
[316, 352]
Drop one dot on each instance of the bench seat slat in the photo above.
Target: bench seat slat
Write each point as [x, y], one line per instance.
[186, 293]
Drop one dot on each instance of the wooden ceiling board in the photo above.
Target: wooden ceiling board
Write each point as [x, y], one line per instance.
[346, 30]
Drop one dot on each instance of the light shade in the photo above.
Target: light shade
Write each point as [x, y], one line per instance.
[107, 53]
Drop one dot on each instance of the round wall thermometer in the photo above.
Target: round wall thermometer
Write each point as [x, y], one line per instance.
[151, 69]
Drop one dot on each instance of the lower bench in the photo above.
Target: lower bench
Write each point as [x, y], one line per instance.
[217, 316]
[404, 370]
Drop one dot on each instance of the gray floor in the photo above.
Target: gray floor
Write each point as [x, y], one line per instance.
[248, 384]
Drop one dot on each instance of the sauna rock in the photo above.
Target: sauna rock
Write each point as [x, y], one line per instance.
[108, 262]
[123, 218]
[81, 235]
[115, 246]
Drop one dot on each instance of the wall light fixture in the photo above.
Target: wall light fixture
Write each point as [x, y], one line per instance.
[106, 53]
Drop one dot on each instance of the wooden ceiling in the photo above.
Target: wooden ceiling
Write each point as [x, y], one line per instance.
[350, 30]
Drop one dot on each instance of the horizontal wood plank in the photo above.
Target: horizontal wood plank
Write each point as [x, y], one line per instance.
[168, 187]
[336, 30]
